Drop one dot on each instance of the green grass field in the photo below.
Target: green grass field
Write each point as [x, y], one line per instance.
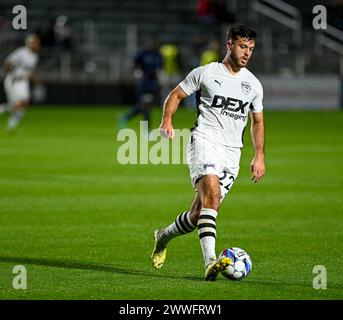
[82, 224]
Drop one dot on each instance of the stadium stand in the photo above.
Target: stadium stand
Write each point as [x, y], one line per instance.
[106, 34]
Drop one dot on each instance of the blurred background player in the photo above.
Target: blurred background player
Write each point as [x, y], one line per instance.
[211, 54]
[147, 64]
[20, 69]
[172, 66]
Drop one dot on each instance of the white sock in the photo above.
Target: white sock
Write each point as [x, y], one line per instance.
[207, 233]
[15, 118]
[181, 225]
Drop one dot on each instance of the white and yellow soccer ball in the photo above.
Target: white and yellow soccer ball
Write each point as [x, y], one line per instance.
[240, 266]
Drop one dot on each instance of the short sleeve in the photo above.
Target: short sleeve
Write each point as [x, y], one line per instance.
[256, 104]
[193, 81]
[14, 57]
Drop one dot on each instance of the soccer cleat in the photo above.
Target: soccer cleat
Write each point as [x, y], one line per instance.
[160, 251]
[216, 266]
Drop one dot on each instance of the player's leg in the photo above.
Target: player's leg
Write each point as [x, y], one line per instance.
[184, 223]
[20, 96]
[125, 117]
[210, 192]
[146, 113]
[140, 91]
[17, 113]
[226, 179]
[147, 101]
[195, 209]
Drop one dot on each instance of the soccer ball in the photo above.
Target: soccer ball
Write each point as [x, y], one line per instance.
[241, 263]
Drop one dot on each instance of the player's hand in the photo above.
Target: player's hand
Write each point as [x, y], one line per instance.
[257, 168]
[167, 130]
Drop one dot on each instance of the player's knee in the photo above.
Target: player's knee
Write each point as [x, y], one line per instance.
[212, 201]
[209, 192]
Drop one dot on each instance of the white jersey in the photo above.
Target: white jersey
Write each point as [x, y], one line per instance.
[24, 61]
[223, 101]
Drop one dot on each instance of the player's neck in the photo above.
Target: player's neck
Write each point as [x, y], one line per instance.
[230, 65]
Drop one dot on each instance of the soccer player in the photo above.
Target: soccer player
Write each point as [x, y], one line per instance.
[226, 92]
[148, 64]
[20, 69]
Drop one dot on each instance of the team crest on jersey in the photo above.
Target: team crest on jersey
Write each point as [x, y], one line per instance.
[246, 87]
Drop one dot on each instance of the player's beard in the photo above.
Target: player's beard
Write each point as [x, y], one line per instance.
[238, 61]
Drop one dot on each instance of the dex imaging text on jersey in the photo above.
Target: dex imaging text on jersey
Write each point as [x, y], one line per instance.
[227, 102]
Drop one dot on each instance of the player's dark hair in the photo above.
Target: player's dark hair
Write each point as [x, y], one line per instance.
[241, 30]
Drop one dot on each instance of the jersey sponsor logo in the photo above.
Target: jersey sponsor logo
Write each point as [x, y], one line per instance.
[246, 87]
[234, 116]
[229, 104]
[230, 107]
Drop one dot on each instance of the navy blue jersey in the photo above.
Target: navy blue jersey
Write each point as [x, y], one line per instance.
[149, 62]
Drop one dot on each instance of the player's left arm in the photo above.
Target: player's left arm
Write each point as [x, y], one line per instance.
[257, 133]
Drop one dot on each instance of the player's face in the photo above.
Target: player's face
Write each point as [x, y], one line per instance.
[241, 50]
[35, 45]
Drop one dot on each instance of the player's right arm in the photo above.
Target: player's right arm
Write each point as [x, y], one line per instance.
[170, 106]
[12, 60]
[8, 67]
[185, 88]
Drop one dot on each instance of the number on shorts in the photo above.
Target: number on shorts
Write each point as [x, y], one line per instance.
[231, 179]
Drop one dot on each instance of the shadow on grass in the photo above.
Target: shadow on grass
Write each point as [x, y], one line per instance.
[69, 264]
